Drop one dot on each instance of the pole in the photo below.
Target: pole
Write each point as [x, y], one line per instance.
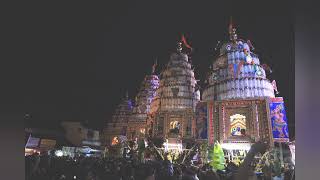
[188, 153]
[281, 154]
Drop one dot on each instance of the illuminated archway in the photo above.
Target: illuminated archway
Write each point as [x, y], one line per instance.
[174, 124]
[142, 130]
[237, 125]
[175, 127]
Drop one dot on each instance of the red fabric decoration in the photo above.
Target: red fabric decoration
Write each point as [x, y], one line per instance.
[231, 70]
[184, 41]
[240, 67]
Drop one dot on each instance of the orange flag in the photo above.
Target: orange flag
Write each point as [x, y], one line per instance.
[183, 39]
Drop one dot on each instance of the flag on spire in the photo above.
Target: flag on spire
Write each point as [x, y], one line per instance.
[184, 41]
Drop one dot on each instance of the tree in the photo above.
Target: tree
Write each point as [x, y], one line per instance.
[203, 151]
[217, 157]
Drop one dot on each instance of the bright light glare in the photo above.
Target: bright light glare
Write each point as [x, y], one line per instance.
[249, 59]
[236, 146]
[169, 146]
[59, 153]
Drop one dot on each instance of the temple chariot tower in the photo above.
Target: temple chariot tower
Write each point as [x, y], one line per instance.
[119, 122]
[239, 99]
[172, 110]
[137, 123]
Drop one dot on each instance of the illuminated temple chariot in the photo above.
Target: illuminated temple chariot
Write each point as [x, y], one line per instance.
[172, 110]
[238, 105]
[138, 119]
[239, 101]
[119, 122]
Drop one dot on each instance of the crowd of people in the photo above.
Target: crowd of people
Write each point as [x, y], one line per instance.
[50, 167]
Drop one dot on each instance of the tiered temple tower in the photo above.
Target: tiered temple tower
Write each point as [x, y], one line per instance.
[237, 73]
[138, 119]
[237, 97]
[119, 122]
[172, 110]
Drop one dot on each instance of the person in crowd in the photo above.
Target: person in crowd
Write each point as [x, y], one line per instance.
[245, 171]
[83, 168]
[177, 173]
[150, 173]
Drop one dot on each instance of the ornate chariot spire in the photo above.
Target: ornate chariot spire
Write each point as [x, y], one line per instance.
[127, 95]
[183, 42]
[154, 66]
[232, 31]
[179, 47]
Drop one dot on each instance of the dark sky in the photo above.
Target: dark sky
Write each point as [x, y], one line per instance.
[84, 57]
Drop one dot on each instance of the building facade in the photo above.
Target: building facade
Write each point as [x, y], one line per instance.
[79, 135]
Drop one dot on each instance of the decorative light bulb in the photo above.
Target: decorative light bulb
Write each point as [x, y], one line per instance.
[249, 59]
[259, 73]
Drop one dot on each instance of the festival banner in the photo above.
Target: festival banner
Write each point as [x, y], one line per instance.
[201, 121]
[278, 120]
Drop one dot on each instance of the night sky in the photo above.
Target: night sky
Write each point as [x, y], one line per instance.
[83, 58]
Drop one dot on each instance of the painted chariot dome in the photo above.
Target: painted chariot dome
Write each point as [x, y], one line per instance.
[144, 98]
[123, 110]
[237, 73]
[177, 89]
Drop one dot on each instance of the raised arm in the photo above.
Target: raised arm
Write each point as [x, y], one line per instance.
[245, 169]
